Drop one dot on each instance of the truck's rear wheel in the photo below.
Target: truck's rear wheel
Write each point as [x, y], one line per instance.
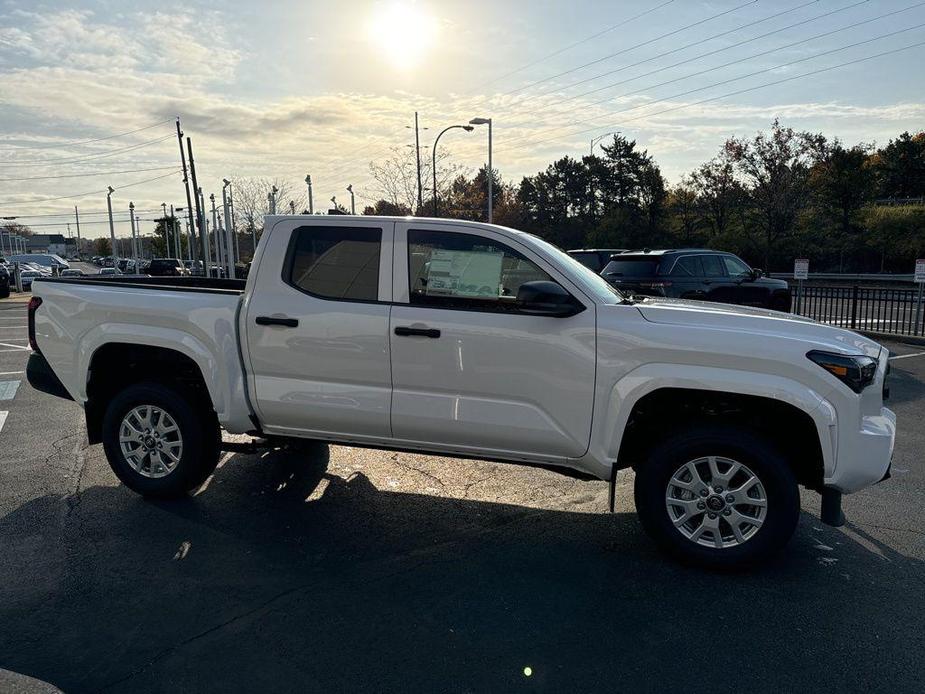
[160, 440]
[718, 497]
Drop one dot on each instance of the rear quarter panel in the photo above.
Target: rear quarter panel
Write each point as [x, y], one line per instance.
[76, 319]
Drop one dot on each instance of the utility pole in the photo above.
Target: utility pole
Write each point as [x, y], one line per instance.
[77, 219]
[189, 199]
[112, 228]
[200, 217]
[417, 153]
[353, 209]
[311, 205]
[131, 213]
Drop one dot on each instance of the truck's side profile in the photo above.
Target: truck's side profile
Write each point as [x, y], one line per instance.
[474, 340]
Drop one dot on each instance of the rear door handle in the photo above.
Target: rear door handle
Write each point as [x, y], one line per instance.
[272, 320]
[404, 331]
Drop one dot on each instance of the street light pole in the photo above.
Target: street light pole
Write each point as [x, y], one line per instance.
[166, 233]
[131, 212]
[353, 209]
[311, 204]
[433, 166]
[487, 121]
[112, 229]
[228, 225]
[219, 251]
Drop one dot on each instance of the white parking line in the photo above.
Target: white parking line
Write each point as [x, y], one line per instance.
[906, 356]
[10, 373]
[3, 414]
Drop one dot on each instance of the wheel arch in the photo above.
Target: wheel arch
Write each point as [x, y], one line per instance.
[657, 397]
[115, 365]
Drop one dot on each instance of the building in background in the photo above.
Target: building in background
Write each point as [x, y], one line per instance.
[51, 243]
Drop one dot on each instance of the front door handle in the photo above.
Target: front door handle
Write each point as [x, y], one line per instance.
[404, 331]
[273, 320]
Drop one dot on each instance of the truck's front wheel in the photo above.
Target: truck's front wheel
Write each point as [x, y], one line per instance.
[160, 440]
[717, 497]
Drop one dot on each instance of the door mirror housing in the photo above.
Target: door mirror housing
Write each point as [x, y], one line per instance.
[756, 273]
[545, 298]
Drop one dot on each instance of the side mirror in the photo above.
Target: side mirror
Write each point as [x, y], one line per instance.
[756, 273]
[545, 298]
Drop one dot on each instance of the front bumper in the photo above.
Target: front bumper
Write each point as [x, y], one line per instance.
[864, 458]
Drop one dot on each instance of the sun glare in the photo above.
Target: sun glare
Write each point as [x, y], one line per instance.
[402, 33]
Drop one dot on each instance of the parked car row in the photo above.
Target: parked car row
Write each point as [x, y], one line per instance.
[687, 273]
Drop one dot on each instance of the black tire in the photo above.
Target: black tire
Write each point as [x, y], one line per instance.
[759, 457]
[198, 427]
[781, 302]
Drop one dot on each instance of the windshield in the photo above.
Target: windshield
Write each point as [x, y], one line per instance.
[605, 291]
[631, 267]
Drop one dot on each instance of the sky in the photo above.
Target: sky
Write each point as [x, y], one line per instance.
[89, 91]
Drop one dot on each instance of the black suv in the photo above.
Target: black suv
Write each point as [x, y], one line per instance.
[594, 258]
[167, 267]
[696, 273]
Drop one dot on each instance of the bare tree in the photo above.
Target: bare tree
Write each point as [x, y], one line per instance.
[251, 205]
[397, 180]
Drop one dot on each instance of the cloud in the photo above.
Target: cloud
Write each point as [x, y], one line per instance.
[74, 75]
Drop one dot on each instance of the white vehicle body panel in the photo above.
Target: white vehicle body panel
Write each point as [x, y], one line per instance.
[515, 387]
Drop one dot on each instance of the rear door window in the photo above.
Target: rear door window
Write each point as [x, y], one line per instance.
[687, 266]
[712, 265]
[335, 262]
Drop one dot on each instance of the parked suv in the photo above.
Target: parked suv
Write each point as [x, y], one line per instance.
[595, 258]
[696, 273]
[5, 279]
[167, 267]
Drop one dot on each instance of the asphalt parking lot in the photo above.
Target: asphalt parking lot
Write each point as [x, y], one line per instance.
[357, 570]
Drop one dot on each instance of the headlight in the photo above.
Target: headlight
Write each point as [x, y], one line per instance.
[856, 372]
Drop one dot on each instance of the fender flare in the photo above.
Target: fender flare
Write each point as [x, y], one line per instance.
[635, 385]
[155, 336]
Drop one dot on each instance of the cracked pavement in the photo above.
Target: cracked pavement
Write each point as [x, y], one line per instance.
[348, 570]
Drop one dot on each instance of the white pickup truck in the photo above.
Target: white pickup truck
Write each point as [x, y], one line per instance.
[474, 340]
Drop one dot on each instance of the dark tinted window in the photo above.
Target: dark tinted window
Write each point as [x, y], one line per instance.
[629, 266]
[712, 265]
[687, 266]
[466, 271]
[335, 262]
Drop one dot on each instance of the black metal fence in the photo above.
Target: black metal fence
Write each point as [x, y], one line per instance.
[871, 309]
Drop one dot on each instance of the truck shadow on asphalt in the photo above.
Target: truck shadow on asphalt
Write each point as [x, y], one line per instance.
[280, 576]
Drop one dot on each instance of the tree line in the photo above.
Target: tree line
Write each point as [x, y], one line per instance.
[769, 198]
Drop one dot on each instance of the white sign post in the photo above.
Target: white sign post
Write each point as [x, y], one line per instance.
[920, 280]
[800, 273]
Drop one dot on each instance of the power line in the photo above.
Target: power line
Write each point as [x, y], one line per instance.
[573, 45]
[86, 174]
[631, 48]
[737, 92]
[696, 57]
[70, 160]
[731, 63]
[80, 195]
[56, 145]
